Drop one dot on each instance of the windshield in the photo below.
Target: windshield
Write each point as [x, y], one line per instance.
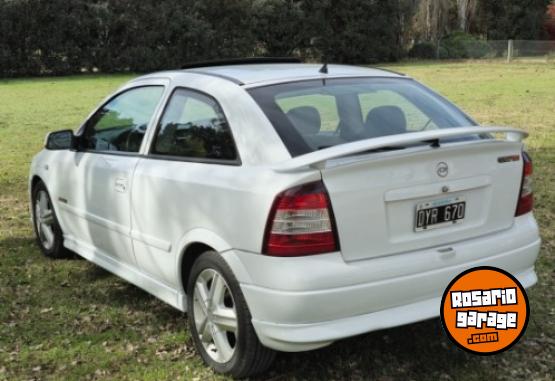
[317, 114]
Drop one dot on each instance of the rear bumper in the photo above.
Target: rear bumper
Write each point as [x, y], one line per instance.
[308, 302]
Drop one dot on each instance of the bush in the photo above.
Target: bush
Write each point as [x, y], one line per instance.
[462, 45]
[57, 37]
[423, 50]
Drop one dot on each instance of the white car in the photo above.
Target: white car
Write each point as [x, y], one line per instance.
[285, 205]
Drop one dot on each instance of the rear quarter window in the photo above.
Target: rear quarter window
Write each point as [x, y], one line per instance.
[193, 126]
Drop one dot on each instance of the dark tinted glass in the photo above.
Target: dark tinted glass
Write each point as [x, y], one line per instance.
[194, 126]
[120, 124]
[313, 115]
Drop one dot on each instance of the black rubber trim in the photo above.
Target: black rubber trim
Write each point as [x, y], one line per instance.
[231, 79]
[241, 61]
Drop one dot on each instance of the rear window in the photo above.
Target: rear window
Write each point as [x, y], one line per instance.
[317, 114]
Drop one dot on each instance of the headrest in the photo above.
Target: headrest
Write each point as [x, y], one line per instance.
[306, 119]
[385, 120]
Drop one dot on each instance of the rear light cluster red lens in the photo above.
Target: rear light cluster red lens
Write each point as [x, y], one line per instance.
[301, 223]
[526, 198]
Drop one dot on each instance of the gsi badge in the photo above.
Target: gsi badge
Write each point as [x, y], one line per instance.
[442, 169]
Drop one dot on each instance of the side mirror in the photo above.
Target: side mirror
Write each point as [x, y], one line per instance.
[60, 140]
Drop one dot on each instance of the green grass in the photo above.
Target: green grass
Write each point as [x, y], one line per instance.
[70, 320]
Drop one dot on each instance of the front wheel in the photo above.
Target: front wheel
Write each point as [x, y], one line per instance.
[220, 321]
[47, 229]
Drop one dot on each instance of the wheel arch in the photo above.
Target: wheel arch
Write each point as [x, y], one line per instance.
[189, 256]
[35, 179]
[191, 246]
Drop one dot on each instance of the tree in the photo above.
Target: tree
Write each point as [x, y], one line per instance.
[355, 31]
[278, 26]
[466, 9]
[550, 21]
[513, 19]
[229, 31]
[406, 10]
[433, 19]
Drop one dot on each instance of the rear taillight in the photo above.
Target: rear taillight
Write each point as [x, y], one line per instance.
[301, 223]
[526, 198]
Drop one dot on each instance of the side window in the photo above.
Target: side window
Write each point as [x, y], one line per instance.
[120, 124]
[194, 126]
[394, 107]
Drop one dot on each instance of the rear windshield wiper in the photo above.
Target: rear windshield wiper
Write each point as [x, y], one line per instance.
[434, 143]
[383, 149]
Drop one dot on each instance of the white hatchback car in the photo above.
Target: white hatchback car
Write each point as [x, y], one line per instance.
[283, 205]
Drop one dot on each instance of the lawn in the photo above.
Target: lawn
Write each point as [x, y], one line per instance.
[70, 320]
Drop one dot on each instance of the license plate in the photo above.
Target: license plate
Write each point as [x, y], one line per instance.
[439, 213]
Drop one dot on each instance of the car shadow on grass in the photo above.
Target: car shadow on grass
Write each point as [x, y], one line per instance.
[94, 273]
[399, 353]
[419, 351]
[416, 351]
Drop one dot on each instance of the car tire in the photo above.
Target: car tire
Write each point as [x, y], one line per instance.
[228, 347]
[47, 229]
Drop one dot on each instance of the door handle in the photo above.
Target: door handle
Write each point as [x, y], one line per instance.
[121, 184]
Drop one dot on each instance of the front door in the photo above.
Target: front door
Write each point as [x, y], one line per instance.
[94, 200]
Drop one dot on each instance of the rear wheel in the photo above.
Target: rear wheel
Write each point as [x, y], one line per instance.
[220, 321]
[47, 229]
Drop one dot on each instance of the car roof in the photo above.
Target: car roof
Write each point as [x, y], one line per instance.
[252, 75]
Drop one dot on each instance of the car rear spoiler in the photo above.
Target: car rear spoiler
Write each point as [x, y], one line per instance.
[316, 159]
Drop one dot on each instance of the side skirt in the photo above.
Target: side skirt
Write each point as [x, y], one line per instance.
[131, 274]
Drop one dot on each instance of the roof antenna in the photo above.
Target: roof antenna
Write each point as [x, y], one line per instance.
[324, 68]
[315, 41]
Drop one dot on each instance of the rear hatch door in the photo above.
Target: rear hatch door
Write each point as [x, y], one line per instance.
[395, 202]
[422, 196]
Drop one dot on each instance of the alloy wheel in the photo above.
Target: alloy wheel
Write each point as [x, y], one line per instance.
[215, 315]
[44, 219]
